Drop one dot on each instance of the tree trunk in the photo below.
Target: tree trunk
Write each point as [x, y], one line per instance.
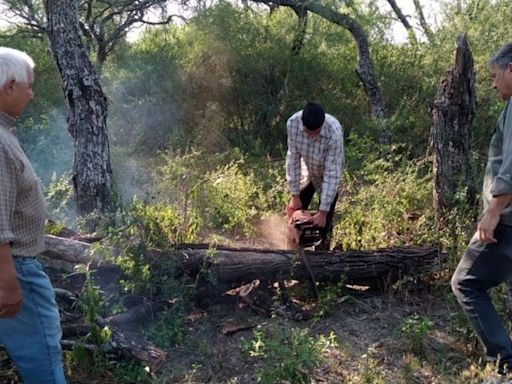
[230, 267]
[423, 21]
[302, 24]
[452, 116]
[92, 172]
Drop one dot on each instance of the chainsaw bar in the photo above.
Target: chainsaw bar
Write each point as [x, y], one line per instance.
[309, 271]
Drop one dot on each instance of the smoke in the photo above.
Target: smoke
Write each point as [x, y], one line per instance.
[47, 143]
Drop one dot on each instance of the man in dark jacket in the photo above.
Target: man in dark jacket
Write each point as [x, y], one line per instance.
[487, 261]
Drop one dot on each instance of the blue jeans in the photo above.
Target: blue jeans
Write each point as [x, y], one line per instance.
[32, 338]
[482, 267]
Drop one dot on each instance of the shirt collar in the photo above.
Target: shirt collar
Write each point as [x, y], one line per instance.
[8, 122]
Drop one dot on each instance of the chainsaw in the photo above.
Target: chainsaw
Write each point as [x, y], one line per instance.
[306, 235]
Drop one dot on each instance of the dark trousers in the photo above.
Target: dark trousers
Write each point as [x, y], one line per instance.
[306, 195]
[481, 268]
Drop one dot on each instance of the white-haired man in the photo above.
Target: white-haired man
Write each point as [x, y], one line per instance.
[29, 317]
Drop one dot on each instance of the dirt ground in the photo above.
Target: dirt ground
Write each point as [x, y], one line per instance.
[371, 347]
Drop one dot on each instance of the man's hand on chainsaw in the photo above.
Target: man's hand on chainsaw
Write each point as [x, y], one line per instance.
[319, 219]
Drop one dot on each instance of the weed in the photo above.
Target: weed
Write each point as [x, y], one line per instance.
[368, 372]
[414, 329]
[286, 355]
[328, 299]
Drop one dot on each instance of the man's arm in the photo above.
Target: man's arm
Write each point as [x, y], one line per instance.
[332, 174]
[293, 167]
[491, 217]
[11, 297]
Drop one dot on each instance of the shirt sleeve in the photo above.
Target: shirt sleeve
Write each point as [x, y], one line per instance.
[502, 183]
[334, 163]
[8, 176]
[293, 164]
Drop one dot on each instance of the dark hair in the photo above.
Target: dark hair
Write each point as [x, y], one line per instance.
[313, 116]
[502, 57]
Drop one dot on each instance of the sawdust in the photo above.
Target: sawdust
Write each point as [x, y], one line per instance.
[273, 232]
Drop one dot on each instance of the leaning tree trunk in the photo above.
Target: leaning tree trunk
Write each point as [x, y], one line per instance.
[92, 172]
[452, 116]
[364, 66]
[423, 21]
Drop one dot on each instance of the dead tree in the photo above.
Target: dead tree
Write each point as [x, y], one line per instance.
[92, 172]
[452, 116]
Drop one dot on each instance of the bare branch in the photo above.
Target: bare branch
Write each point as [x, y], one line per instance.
[402, 18]
[423, 21]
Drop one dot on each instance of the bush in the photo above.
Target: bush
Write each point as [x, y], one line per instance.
[222, 192]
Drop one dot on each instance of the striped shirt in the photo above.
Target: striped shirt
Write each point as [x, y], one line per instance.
[22, 205]
[318, 160]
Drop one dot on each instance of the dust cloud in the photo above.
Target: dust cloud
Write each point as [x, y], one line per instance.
[273, 232]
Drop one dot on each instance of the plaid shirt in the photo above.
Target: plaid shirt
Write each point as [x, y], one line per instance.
[498, 172]
[318, 160]
[22, 204]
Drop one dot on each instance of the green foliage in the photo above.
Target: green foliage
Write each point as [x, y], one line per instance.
[286, 356]
[139, 227]
[415, 329]
[386, 203]
[95, 362]
[329, 297]
[60, 198]
[132, 372]
[220, 192]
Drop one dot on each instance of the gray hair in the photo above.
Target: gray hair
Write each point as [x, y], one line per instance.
[14, 65]
[502, 57]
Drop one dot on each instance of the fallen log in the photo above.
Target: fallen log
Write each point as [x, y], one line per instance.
[230, 267]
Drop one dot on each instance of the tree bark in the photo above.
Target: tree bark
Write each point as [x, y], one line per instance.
[452, 116]
[92, 172]
[230, 267]
[302, 24]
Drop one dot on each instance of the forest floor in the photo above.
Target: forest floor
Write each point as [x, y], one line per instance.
[372, 346]
[412, 332]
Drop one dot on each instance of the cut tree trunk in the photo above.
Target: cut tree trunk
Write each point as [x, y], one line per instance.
[231, 267]
[92, 172]
[452, 116]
